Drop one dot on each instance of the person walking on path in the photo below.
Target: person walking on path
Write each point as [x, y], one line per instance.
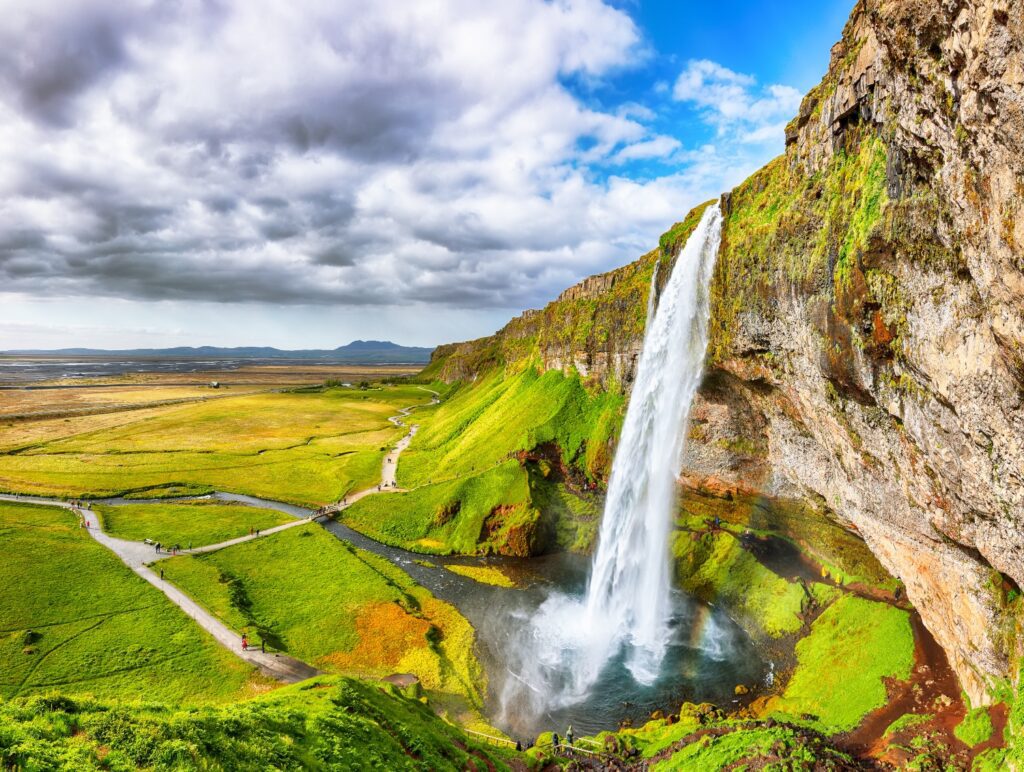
[568, 735]
[245, 642]
[161, 574]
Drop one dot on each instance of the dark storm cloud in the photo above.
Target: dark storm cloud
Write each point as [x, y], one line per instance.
[347, 153]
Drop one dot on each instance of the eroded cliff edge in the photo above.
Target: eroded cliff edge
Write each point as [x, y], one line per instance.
[867, 352]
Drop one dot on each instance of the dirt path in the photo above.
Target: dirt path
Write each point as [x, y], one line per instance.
[136, 555]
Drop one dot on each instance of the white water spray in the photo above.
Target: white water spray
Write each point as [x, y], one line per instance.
[628, 604]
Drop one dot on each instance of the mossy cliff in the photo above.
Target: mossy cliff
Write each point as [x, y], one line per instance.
[868, 319]
[867, 339]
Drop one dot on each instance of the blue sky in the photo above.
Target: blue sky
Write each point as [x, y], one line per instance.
[303, 174]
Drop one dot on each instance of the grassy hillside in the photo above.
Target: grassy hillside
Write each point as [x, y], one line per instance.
[328, 723]
[74, 618]
[336, 607]
[469, 467]
[303, 447]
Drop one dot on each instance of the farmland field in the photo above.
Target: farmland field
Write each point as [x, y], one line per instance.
[305, 447]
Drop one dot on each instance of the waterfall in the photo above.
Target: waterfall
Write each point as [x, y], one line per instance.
[627, 607]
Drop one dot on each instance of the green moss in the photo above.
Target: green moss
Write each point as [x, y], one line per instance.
[329, 723]
[975, 728]
[755, 747]
[788, 228]
[852, 647]
[906, 721]
[715, 567]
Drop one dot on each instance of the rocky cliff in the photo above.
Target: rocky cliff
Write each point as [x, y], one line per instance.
[868, 314]
[867, 350]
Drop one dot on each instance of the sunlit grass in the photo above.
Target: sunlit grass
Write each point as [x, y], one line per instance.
[308, 448]
[337, 607]
[74, 618]
[194, 523]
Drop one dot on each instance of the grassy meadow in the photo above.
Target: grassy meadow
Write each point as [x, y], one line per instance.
[334, 606]
[305, 447]
[196, 522]
[73, 618]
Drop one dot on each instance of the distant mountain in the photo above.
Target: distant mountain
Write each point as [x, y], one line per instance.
[356, 352]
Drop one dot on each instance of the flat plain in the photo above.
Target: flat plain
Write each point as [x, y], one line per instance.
[304, 446]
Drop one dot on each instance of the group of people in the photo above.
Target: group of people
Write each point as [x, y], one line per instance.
[160, 547]
[556, 740]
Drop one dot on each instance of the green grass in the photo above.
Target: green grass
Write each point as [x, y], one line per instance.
[483, 574]
[907, 721]
[975, 728]
[716, 568]
[74, 618]
[328, 723]
[195, 523]
[470, 490]
[450, 516]
[841, 665]
[306, 448]
[755, 746]
[336, 607]
[484, 424]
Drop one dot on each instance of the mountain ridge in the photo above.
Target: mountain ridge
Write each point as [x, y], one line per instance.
[371, 351]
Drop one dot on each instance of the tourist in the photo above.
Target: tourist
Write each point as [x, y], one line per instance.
[519, 747]
[555, 742]
[245, 642]
[568, 735]
[161, 574]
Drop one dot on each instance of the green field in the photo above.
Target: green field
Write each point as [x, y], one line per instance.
[74, 618]
[336, 607]
[194, 523]
[484, 424]
[307, 448]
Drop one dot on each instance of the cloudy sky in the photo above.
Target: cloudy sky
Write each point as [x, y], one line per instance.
[302, 173]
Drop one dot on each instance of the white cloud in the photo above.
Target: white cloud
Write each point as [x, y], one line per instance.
[732, 101]
[339, 153]
[661, 146]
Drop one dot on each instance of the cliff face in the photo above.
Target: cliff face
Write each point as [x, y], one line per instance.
[594, 328]
[867, 341]
[869, 314]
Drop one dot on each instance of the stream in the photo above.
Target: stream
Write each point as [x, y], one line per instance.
[706, 657]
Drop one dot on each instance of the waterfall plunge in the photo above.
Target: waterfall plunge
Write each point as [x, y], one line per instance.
[628, 604]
